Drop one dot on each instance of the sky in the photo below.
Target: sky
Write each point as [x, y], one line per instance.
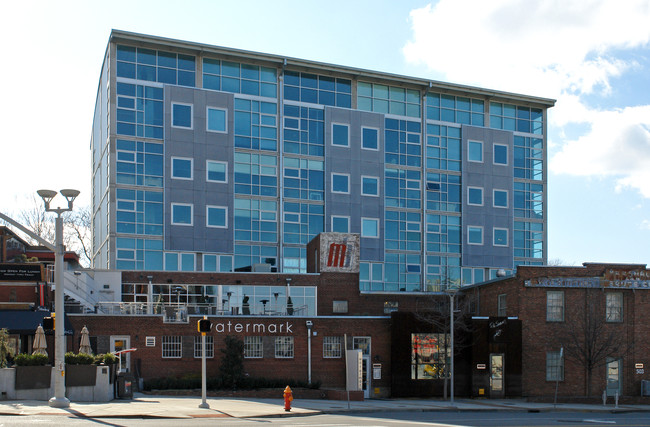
[591, 56]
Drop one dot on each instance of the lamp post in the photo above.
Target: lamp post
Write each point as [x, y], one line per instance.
[59, 400]
[451, 292]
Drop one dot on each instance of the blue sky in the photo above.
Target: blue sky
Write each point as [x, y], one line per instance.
[592, 56]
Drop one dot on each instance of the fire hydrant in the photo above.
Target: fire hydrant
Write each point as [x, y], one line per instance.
[288, 397]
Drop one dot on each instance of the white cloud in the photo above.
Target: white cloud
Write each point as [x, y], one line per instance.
[645, 224]
[562, 49]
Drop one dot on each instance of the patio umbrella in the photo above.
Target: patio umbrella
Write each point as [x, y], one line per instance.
[84, 345]
[40, 344]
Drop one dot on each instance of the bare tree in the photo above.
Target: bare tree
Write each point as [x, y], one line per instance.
[589, 339]
[435, 311]
[76, 235]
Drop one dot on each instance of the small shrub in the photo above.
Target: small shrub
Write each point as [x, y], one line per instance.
[106, 359]
[24, 359]
[79, 359]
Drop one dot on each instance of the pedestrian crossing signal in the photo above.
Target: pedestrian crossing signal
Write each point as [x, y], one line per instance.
[204, 325]
[48, 323]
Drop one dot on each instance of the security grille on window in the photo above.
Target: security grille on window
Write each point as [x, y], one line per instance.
[209, 347]
[284, 347]
[502, 306]
[614, 306]
[172, 347]
[555, 306]
[554, 366]
[332, 347]
[253, 348]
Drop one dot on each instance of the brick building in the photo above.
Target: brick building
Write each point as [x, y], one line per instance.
[573, 318]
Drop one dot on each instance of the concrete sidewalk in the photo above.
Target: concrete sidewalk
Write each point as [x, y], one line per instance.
[148, 406]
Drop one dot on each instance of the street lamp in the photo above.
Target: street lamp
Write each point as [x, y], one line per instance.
[59, 400]
[452, 292]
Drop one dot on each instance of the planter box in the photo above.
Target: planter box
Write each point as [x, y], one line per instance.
[80, 375]
[31, 377]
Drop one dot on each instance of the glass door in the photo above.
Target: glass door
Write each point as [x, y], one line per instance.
[363, 344]
[614, 377]
[119, 343]
[496, 375]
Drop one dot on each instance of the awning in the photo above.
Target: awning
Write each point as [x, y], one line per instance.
[24, 322]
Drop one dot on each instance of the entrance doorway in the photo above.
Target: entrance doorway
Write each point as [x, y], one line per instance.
[119, 343]
[614, 377]
[363, 344]
[497, 388]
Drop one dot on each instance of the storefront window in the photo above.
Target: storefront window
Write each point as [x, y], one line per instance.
[430, 355]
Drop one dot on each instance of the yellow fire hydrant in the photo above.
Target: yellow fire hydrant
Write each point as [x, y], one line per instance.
[288, 397]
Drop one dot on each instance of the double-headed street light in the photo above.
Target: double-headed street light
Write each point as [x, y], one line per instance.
[59, 400]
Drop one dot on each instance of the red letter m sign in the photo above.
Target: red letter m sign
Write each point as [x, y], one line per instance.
[337, 255]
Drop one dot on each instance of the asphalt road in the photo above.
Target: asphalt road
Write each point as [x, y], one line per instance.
[384, 419]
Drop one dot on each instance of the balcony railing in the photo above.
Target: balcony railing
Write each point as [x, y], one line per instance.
[180, 312]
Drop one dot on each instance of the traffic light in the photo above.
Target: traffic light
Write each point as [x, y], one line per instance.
[48, 323]
[204, 325]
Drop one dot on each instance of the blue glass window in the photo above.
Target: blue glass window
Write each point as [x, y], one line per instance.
[255, 125]
[500, 198]
[182, 116]
[455, 109]
[388, 99]
[370, 227]
[239, 78]
[443, 192]
[340, 135]
[256, 174]
[474, 235]
[139, 163]
[340, 183]
[500, 154]
[475, 196]
[157, 66]
[340, 224]
[500, 236]
[139, 111]
[528, 200]
[304, 179]
[182, 214]
[216, 216]
[182, 168]
[302, 222]
[443, 233]
[529, 239]
[475, 151]
[402, 188]
[402, 231]
[256, 220]
[528, 158]
[516, 118]
[304, 130]
[216, 171]
[369, 138]
[369, 186]
[402, 142]
[316, 89]
[216, 120]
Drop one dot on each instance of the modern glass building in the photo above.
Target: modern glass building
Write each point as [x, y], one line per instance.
[214, 159]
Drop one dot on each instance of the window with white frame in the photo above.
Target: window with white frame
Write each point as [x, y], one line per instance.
[182, 214]
[500, 152]
[332, 347]
[500, 198]
[502, 305]
[340, 183]
[216, 216]
[614, 306]
[216, 171]
[369, 186]
[340, 224]
[172, 347]
[555, 306]
[475, 196]
[253, 347]
[217, 120]
[182, 115]
[182, 168]
[209, 347]
[370, 138]
[474, 235]
[554, 366]
[340, 135]
[475, 151]
[500, 236]
[283, 347]
[370, 227]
